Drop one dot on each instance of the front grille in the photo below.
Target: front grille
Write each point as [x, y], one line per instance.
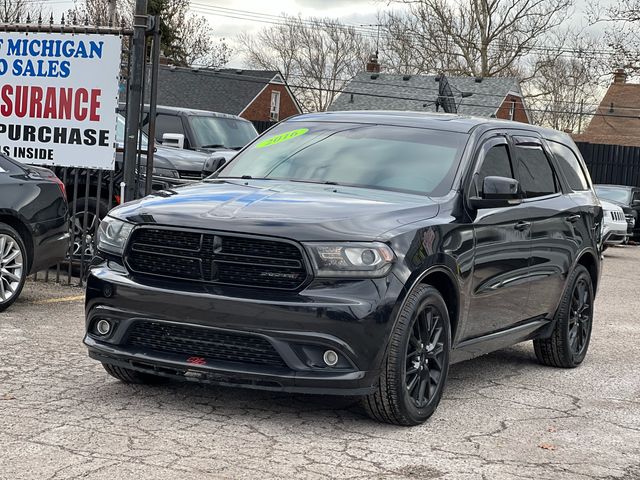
[191, 341]
[218, 259]
[617, 216]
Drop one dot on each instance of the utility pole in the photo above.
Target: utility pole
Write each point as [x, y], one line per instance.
[134, 105]
[111, 12]
[580, 116]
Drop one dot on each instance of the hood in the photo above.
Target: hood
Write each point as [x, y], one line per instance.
[300, 211]
[181, 159]
[611, 206]
[226, 153]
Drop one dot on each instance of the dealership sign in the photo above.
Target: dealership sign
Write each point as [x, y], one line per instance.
[58, 98]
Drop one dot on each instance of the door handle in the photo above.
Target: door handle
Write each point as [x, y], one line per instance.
[522, 225]
[573, 218]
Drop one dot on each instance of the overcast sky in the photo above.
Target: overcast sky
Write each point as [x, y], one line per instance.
[219, 13]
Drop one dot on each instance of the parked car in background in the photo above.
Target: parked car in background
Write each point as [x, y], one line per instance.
[34, 232]
[354, 254]
[614, 224]
[628, 198]
[200, 130]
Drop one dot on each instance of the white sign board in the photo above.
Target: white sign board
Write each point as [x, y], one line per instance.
[58, 98]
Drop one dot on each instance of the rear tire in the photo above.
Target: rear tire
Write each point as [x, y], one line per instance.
[568, 344]
[14, 265]
[417, 363]
[126, 375]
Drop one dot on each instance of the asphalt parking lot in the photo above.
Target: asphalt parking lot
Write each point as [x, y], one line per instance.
[502, 415]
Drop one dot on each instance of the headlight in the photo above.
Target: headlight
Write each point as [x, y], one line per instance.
[160, 172]
[364, 260]
[165, 172]
[113, 235]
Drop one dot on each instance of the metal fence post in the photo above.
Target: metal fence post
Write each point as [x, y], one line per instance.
[153, 100]
[134, 105]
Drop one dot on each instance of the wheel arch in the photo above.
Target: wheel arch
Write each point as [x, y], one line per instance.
[588, 260]
[442, 278]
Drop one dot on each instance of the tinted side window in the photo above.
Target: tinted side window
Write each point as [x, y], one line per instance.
[536, 175]
[168, 124]
[570, 166]
[496, 164]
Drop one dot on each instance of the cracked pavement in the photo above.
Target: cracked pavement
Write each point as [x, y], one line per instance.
[502, 415]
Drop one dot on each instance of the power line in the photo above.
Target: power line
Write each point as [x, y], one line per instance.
[280, 20]
[261, 80]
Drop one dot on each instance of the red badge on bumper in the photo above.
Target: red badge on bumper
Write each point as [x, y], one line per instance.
[196, 361]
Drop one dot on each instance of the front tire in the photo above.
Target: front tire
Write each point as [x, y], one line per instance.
[568, 344]
[417, 363]
[13, 265]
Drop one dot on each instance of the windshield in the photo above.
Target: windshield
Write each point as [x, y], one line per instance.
[222, 132]
[385, 157]
[120, 133]
[620, 195]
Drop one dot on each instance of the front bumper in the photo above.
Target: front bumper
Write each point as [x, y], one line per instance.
[352, 318]
[614, 232]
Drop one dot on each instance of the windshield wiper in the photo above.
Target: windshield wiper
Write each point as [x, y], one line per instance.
[320, 182]
[214, 145]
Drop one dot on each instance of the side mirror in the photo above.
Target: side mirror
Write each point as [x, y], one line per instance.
[497, 192]
[635, 203]
[175, 140]
[212, 165]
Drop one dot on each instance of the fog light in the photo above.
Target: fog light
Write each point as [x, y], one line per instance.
[103, 327]
[330, 358]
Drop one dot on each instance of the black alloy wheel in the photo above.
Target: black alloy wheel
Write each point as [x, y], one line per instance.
[425, 356]
[580, 317]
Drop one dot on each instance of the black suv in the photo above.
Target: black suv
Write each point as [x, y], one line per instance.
[629, 200]
[354, 253]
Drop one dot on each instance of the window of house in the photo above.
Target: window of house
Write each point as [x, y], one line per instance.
[536, 175]
[497, 163]
[275, 106]
[570, 166]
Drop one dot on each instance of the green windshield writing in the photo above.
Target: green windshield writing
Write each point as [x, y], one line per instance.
[283, 137]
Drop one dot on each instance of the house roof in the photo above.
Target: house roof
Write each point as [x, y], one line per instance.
[620, 126]
[371, 91]
[221, 90]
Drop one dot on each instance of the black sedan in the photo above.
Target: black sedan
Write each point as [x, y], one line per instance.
[34, 230]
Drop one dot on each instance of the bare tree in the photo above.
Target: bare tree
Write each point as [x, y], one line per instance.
[14, 10]
[482, 38]
[317, 56]
[567, 86]
[623, 39]
[187, 39]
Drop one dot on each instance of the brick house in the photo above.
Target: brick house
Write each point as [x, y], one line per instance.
[492, 97]
[257, 95]
[617, 121]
